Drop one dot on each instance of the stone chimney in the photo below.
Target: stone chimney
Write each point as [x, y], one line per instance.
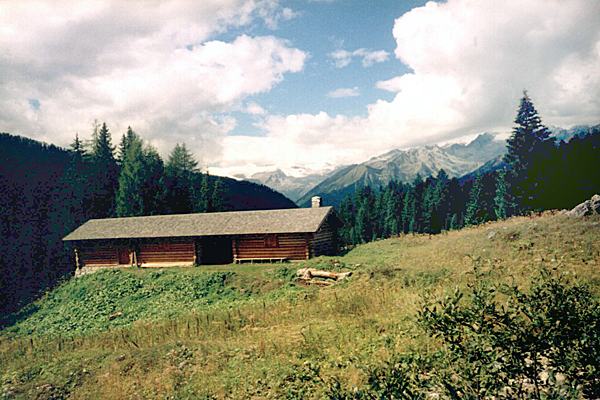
[315, 201]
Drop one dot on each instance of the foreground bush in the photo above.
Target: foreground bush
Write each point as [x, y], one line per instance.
[503, 342]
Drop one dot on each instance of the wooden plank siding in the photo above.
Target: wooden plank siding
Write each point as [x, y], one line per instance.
[291, 246]
[103, 253]
[167, 251]
[324, 241]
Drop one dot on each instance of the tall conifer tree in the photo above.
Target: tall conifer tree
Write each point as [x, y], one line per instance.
[503, 201]
[104, 178]
[129, 200]
[528, 149]
[179, 173]
[141, 180]
[77, 147]
[126, 139]
[217, 195]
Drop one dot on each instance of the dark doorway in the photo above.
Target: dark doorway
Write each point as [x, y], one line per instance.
[215, 250]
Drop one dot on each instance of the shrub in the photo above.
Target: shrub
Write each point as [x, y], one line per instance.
[544, 343]
[504, 342]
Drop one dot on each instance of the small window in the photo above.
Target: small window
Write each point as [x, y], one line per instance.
[271, 241]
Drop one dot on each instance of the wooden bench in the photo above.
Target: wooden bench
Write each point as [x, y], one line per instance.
[260, 260]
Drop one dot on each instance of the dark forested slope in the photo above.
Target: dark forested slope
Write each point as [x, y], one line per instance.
[45, 192]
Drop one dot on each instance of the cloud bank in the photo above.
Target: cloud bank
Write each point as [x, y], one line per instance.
[470, 62]
[155, 68]
[160, 69]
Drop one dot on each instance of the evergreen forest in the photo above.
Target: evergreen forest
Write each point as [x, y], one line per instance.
[537, 173]
[47, 191]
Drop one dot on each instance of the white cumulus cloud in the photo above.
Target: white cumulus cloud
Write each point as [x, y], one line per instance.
[469, 63]
[342, 58]
[152, 67]
[254, 108]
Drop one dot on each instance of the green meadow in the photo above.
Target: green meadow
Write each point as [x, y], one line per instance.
[249, 331]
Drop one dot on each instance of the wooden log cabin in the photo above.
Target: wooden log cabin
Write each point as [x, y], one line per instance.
[207, 238]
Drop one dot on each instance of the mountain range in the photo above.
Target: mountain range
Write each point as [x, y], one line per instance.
[405, 165]
[401, 165]
[483, 154]
[292, 187]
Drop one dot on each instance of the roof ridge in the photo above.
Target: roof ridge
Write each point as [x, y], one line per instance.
[210, 212]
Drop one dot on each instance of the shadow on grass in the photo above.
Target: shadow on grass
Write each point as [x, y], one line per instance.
[11, 319]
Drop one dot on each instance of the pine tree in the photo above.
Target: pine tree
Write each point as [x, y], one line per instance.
[105, 173]
[77, 147]
[408, 209]
[347, 214]
[141, 180]
[129, 200]
[503, 201]
[74, 184]
[457, 199]
[179, 175]
[528, 149]
[102, 148]
[153, 191]
[217, 195]
[441, 203]
[472, 216]
[203, 202]
[365, 204]
[429, 203]
[481, 206]
[392, 209]
[181, 161]
[126, 139]
[416, 211]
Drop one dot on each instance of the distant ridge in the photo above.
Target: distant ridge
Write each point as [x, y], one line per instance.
[404, 165]
[291, 186]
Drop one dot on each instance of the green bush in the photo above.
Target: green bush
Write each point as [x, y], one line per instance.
[503, 342]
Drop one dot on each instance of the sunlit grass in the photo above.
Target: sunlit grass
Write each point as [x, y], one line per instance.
[263, 330]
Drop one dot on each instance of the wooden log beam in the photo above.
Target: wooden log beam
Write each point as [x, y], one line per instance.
[309, 273]
[77, 262]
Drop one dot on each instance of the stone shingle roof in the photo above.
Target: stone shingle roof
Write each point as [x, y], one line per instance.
[295, 220]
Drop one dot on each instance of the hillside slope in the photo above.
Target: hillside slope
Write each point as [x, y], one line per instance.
[248, 332]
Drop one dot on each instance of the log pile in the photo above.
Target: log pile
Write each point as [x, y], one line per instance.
[312, 276]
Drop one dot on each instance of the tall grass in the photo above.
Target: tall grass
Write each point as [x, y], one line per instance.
[252, 333]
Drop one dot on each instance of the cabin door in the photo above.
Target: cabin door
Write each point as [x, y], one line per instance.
[216, 250]
[123, 254]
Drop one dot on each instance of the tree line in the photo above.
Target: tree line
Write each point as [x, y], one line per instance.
[537, 173]
[133, 180]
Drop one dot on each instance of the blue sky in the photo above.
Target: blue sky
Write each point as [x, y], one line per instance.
[320, 28]
[304, 86]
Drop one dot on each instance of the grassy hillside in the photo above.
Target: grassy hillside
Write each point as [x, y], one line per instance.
[249, 332]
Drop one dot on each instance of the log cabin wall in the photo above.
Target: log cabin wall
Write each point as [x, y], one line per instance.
[324, 241]
[167, 251]
[100, 253]
[148, 252]
[292, 246]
